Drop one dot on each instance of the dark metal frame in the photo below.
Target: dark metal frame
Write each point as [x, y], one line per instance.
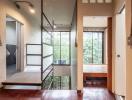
[69, 48]
[43, 79]
[102, 44]
[32, 55]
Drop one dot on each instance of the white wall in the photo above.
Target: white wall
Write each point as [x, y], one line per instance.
[11, 37]
[29, 30]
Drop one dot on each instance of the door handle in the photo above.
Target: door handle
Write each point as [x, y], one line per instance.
[118, 56]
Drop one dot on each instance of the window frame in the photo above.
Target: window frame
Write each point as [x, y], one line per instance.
[102, 46]
[60, 32]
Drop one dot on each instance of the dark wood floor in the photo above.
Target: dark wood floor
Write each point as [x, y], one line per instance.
[88, 94]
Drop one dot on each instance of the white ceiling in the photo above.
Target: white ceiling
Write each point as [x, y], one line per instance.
[94, 21]
[59, 10]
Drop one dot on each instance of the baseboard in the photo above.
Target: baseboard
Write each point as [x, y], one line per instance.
[1, 86]
[79, 91]
[118, 97]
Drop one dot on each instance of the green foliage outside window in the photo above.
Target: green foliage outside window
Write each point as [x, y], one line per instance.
[93, 48]
[61, 47]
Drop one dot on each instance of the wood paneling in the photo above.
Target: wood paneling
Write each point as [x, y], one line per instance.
[109, 81]
[88, 94]
[85, 75]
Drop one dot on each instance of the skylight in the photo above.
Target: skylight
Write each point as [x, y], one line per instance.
[96, 1]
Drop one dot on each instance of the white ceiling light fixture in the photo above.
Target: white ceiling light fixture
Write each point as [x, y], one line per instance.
[54, 25]
[32, 10]
[31, 6]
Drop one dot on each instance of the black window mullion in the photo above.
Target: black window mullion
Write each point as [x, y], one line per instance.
[60, 48]
[92, 47]
[69, 47]
[102, 47]
[98, 43]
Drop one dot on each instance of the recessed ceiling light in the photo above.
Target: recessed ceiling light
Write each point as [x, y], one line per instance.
[55, 26]
[31, 6]
[32, 10]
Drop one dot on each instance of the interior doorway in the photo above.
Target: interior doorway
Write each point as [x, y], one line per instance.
[13, 46]
[95, 51]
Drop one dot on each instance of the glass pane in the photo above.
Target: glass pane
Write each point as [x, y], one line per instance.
[87, 48]
[95, 48]
[64, 38]
[47, 50]
[56, 54]
[47, 62]
[65, 82]
[65, 55]
[92, 48]
[46, 38]
[100, 56]
[34, 60]
[61, 53]
[33, 49]
[56, 38]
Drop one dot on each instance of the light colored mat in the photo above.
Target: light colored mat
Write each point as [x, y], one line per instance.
[25, 77]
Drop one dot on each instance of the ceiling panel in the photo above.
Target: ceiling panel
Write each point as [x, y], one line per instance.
[59, 10]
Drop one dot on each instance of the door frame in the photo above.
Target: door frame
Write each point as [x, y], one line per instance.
[20, 40]
[109, 53]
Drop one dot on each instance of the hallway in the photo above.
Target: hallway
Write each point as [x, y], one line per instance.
[88, 94]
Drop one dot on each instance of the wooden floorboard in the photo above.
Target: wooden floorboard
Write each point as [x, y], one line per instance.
[88, 94]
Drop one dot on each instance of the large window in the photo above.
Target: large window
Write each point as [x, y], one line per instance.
[93, 48]
[62, 48]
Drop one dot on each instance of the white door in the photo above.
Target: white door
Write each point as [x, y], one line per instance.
[120, 61]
